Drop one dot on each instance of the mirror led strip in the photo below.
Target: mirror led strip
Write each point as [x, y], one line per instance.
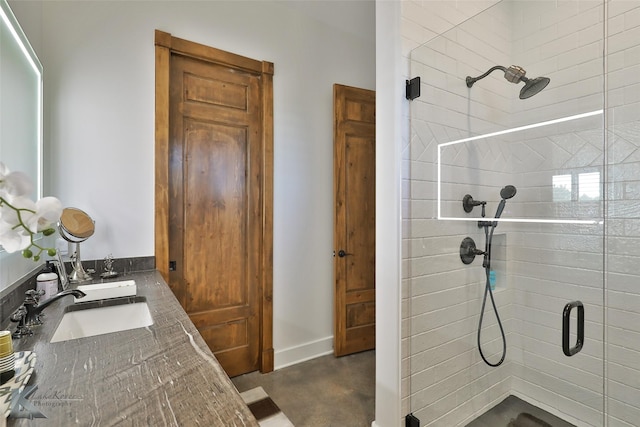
[16, 31]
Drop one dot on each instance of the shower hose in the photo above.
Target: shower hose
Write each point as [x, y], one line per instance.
[487, 290]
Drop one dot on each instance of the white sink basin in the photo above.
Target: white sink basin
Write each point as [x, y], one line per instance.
[94, 320]
[107, 290]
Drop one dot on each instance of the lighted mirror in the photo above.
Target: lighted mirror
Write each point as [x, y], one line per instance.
[20, 120]
[20, 101]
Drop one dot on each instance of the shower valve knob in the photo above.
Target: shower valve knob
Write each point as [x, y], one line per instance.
[468, 203]
[468, 250]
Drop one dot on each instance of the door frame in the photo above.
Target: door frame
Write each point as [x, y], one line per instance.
[165, 46]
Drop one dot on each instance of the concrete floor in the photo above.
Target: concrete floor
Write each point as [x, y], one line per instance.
[322, 392]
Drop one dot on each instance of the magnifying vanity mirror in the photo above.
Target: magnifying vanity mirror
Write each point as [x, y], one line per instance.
[76, 226]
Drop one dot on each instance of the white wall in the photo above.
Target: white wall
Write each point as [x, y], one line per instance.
[389, 129]
[99, 129]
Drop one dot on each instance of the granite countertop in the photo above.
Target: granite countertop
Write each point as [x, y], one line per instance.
[162, 375]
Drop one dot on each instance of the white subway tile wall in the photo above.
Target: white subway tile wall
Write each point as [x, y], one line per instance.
[445, 383]
[622, 315]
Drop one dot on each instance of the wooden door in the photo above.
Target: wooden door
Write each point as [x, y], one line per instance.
[219, 203]
[354, 232]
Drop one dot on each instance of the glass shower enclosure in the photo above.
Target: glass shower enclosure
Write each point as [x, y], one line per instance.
[546, 327]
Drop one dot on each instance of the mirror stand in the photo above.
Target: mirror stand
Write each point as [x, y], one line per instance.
[78, 275]
[76, 226]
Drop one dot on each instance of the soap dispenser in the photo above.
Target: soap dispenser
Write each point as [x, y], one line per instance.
[47, 281]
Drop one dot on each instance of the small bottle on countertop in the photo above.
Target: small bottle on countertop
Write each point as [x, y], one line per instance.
[47, 281]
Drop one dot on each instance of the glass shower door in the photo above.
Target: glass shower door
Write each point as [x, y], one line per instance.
[545, 272]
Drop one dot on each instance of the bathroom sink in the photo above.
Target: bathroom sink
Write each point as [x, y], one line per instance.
[103, 317]
[107, 290]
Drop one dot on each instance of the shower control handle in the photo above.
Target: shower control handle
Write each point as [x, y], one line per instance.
[468, 204]
[468, 250]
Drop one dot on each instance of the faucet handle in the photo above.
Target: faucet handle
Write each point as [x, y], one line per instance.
[19, 314]
[36, 295]
[32, 297]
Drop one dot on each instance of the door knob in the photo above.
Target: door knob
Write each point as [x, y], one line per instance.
[342, 253]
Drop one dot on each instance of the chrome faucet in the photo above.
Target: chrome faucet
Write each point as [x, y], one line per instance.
[28, 314]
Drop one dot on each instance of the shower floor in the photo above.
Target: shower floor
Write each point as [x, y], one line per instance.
[515, 412]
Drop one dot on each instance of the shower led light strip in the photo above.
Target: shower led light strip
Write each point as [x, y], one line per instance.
[504, 132]
[535, 221]
[526, 127]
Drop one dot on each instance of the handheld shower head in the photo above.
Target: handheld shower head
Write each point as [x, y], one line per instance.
[515, 74]
[506, 193]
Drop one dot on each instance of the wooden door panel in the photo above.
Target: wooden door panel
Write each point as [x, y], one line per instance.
[212, 91]
[221, 315]
[359, 109]
[360, 296]
[361, 314]
[360, 211]
[216, 199]
[213, 84]
[215, 220]
[229, 335]
[359, 339]
[214, 195]
[205, 113]
[354, 234]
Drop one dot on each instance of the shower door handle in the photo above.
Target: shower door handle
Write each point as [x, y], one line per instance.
[566, 316]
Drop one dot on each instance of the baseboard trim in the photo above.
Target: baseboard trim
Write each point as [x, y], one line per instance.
[303, 352]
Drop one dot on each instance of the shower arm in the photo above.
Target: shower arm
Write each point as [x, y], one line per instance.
[471, 80]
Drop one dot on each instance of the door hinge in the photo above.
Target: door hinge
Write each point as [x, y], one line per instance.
[411, 421]
[172, 266]
[413, 88]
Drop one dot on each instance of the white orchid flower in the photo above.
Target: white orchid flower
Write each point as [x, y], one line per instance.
[13, 239]
[48, 211]
[21, 218]
[14, 183]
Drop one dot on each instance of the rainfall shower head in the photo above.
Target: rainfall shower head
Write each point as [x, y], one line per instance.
[533, 86]
[515, 74]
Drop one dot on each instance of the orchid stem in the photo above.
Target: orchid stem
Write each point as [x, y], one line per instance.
[21, 223]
